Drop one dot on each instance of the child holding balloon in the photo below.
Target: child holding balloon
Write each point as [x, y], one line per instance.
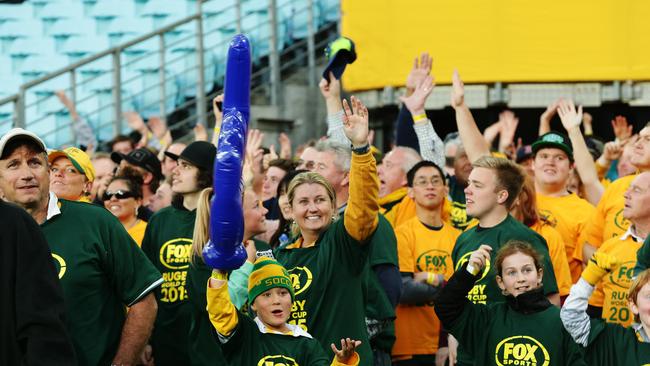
[268, 337]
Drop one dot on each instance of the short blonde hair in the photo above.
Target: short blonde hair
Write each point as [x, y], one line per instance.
[310, 178]
[509, 175]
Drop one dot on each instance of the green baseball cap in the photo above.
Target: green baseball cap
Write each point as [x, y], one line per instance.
[340, 53]
[553, 140]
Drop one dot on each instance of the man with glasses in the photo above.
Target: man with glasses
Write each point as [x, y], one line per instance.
[424, 245]
[100, 268]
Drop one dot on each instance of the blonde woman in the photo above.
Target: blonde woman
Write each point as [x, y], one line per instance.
[328, 259]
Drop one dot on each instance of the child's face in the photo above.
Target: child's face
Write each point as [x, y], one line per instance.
[518, 274]
[642, 305]
[273, 307]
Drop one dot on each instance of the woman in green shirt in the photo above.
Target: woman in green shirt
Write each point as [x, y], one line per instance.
[525, 330]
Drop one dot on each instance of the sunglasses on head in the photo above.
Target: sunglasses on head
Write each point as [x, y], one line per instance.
[119, 194]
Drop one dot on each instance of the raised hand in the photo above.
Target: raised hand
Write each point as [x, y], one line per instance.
[330, 89]
[285, 146]
[568, 115]
[419, 72]
[218, 113]
[348, 347]
[613, 151]
[457, 91]
[550, 111]
[158, 127]
[200, 134]
[509, 123]
[622, 130]
[415, 102]
[355, 122]
[479, 259]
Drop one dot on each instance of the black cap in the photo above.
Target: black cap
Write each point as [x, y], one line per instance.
[144, 158]
[199, 153]
[553, 140]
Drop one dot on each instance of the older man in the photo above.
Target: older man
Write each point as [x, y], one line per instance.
[100, 267]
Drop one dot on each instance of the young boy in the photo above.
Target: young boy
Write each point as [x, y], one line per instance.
[268, 339]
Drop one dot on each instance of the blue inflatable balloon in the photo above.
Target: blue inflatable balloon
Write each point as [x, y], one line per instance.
[224, 250]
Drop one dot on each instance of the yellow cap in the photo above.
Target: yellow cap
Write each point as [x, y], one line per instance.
[78, 158]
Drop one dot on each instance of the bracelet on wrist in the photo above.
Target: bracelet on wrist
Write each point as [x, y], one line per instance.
[361, 150]
[419, 117]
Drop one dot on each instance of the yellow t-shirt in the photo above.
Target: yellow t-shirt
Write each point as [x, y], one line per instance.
[137, 231]
[568, 215]
[421, 249]
[405, 210]
[558, 255]
[611, 291]
[607, 221]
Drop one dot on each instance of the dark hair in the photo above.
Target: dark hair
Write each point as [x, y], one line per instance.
[133, 181]
[528, 203]
[203, 181]
[513, 247]
[410, 175]
[120, 138]
[509, 176]
[284, 226]
[284, 164]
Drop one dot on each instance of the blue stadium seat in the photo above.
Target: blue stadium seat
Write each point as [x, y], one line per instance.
[164, 12]
[122, 29]
[21, 12]
[64, 29]
[77, 48]
[37, 66]
[106, 11]
[218, 14]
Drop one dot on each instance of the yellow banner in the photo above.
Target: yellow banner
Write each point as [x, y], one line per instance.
[490, 41]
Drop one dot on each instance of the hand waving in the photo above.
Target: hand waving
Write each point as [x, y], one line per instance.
[419, 71]
[348, 347]
[568, 115]
[457, 91]
[355, 122]
[415, 102]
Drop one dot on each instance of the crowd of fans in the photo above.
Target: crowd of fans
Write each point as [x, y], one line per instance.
[469, 250]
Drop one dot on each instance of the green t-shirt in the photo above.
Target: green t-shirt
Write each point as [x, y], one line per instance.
[204, 349]
[247, 346]
[168, 244]
[458, 214]
[643, 257]
[328, 284]
[102, 270]
[498, 335]
[612, 344]
[383, 250]
[486, 290]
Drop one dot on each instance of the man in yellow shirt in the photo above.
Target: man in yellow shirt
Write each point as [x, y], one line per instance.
[608, 221]
[565, 211]
[609, 301]
[424, 245]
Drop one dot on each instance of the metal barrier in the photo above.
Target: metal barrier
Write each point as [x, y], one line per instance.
[267, 74]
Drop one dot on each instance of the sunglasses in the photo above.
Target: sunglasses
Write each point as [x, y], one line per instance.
[119, 194]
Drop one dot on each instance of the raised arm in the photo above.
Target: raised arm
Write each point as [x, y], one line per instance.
[221, 311]
[431, 146]
[361, 213]
[574, 312]
[584, 162]
[546, 117]
[331, 91]
[473, 141]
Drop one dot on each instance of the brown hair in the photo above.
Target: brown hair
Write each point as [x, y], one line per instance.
[528, 203]
[641, 280]
[517, 246]
[509, 175]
